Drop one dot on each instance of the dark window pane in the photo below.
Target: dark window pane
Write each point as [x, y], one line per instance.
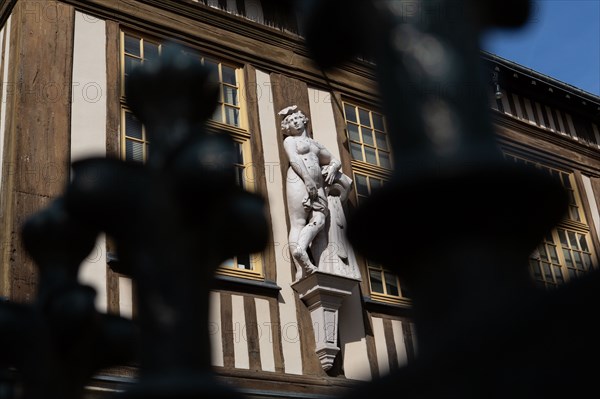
[582, 243]
[134, 151]
[572, 239]
[566, 181]
[384, 160]
[239, 176]
[353, 132]
[232, 116]
[391, 284]
[370, 155]
[568, 259]
[350, 113]
[543, 253]
[133, 127]
[378, 121]
[553, 254]
[587, 261]
[230, 95]
[381, 141]
[547, 271]
[375, 184]
[361, 185]
[578, 260]
[375, 279]
[367, 135]
[364, 117]
[356, 151]
[150, 51]
[132, 45]
[239, 154]
[563, 238]
[130, 64]
[558, 275]
[574, 213]
[228, 75]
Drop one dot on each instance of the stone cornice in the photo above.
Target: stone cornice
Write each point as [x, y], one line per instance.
[565, 143]
[291, 55]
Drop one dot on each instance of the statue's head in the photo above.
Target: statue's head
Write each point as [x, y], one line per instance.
[288, 114]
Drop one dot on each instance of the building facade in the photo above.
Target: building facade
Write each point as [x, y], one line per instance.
[64, 65]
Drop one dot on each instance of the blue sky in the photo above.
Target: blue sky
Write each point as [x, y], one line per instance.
[561, 40]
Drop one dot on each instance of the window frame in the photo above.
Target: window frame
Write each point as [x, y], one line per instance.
[567, 224]
[364, 144]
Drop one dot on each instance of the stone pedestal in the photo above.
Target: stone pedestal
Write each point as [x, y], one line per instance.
[323, 294]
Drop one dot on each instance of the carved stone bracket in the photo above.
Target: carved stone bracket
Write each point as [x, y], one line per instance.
[323, 294]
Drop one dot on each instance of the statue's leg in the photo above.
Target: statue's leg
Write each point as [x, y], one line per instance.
[297, 224]
[306, 236]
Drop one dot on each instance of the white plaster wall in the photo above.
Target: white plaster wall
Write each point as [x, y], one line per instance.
[125, 297]
[399, 342]
[380, 346]
[287, 305]
[323, 122]
[265, 337]
[4, 94]
[88, 125]
[214, 329]
[353, 341]
[240, 335]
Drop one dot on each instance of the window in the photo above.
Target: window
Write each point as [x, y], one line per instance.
[385, 285]
[371, 161]
[565, 252]
[365, 185]
[229, 118]
[367, 136]
[136, 51]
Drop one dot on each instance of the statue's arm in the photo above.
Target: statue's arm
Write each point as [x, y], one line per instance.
[333, 165]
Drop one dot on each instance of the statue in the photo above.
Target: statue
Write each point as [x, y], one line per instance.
[316, 190]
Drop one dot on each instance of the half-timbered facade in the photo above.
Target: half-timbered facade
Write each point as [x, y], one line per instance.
[64, 65]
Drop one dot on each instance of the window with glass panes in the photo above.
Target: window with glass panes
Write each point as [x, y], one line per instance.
[367, 136]
[228, 118]
[136, 51]
[385, 285]
[371, 161]
[565, 253]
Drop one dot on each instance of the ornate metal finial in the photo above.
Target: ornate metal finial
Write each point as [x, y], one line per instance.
[174, 221]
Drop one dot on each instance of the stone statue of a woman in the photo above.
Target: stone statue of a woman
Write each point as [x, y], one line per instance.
[313, 172]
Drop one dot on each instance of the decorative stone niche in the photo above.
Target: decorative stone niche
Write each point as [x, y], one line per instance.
[323, 294]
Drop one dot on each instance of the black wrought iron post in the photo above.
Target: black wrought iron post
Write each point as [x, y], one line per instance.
[463, 220]
[174, 220]
[55, 345]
